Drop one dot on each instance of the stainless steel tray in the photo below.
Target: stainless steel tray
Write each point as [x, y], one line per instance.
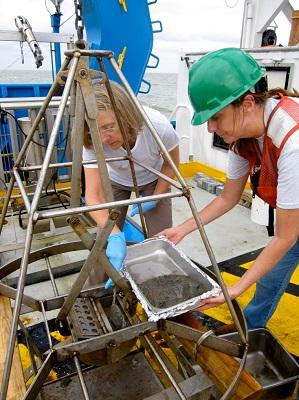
[164, 280]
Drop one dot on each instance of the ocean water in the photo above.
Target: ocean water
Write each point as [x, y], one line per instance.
[162, 95]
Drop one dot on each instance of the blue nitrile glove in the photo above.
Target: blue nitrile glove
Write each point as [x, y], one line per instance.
[116, 252]
[147, 206]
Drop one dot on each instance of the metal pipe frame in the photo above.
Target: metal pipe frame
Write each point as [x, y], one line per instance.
[29, 233]
[77, 364]
[22, 189]
[102, 206]
[73, 57]
[69, 164]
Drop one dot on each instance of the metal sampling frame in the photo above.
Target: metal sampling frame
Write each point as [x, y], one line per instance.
[109, 344]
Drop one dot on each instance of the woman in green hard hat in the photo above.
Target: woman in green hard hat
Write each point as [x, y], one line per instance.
[263, 133]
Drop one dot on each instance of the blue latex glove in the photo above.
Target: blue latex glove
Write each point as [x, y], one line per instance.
[116, 252]
[148, 205]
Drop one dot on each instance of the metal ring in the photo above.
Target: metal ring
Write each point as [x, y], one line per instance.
[200, 341]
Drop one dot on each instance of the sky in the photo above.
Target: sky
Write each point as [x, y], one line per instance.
[189, 25]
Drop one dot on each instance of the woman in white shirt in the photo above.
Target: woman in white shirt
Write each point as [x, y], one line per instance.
[158, 214]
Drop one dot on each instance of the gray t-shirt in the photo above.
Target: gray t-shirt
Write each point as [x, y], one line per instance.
[287, 164]
[145, 151]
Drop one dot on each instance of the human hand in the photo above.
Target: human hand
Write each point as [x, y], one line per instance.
[175, 235]
[116, 252]
[147, 206]
[216, 301]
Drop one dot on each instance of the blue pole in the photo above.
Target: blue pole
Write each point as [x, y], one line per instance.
[55, 24]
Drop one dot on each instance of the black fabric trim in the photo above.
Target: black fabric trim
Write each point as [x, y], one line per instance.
[270, 227]
[233, 266]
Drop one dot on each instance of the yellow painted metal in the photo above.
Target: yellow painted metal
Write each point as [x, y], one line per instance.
[123, 4]
[188, 170]
[121, 57]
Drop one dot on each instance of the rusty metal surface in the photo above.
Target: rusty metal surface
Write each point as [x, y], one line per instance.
[130, 378]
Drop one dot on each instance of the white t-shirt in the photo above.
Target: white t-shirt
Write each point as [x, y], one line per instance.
[145, 151]
[287, 165]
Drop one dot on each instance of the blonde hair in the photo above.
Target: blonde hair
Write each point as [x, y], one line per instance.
[128, 113]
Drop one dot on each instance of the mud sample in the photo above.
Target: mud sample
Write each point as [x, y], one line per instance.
[168, 290]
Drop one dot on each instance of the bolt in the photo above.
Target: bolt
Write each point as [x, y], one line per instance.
[83, 73]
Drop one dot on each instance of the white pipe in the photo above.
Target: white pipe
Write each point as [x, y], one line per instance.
[190, 136]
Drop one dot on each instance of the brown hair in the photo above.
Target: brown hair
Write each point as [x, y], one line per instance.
[128, 113]
[240, 145]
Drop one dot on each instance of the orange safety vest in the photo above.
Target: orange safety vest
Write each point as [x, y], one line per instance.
[263, 166]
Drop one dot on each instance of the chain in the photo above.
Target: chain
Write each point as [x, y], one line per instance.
[79, 23]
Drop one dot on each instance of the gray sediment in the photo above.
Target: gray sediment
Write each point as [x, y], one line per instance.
[168, 290]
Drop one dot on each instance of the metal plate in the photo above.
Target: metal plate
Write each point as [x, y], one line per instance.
[164, 280]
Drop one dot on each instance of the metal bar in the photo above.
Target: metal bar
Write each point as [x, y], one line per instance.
[26, 101]
[55, 290]
[165, 369]
[69, 164]
[32, 349]
[40, 378]
[46, 325]
[22, 190]
[88, 241]
[175, 347]
[81, 379]
[114, 204]
[16, 312]
[159, 174]
[13, 135]
[88, 53]
[230, 390]
[12, 105]
[49, 191]
[101, 342]
[101, 315]
[77, 144]
[86, 238]
[243, 334]
[172, 371]
[214, 342]
[87, 267]
[27, 300]
[42, 37]
[255, 50]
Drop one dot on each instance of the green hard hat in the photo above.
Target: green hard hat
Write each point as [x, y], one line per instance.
[219, 78]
